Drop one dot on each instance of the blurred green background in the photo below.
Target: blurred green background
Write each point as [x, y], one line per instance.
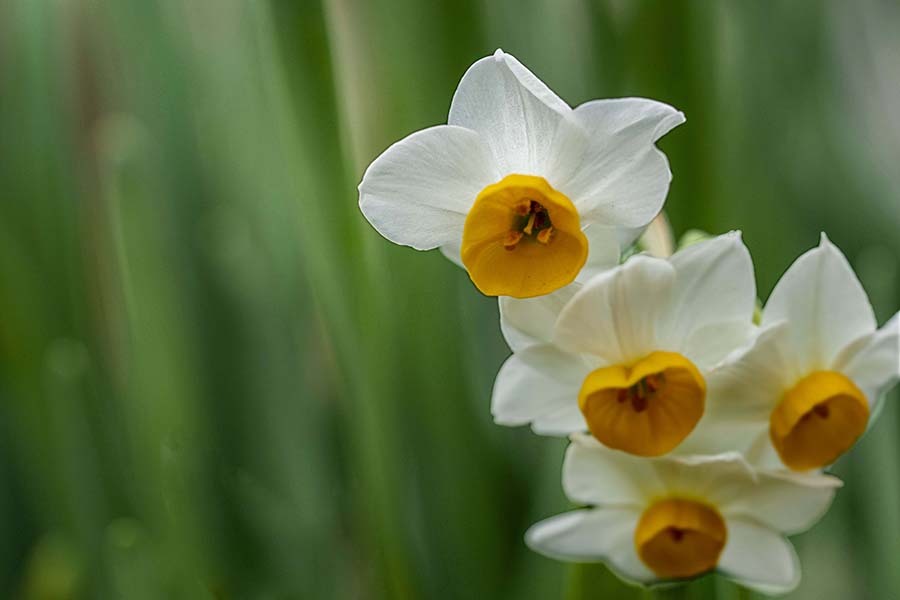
[216, 381]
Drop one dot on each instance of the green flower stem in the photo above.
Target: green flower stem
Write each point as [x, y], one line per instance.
[678, 592]
[596, 582]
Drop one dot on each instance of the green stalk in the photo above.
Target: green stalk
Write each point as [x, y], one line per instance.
[677, 592]
[595, 581]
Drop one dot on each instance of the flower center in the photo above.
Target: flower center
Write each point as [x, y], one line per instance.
[679, 538]
[817, 420]
[522, 238]
[646, 408]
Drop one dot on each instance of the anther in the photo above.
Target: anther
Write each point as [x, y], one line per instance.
[523, 207]
[512, 238]
[544, 235]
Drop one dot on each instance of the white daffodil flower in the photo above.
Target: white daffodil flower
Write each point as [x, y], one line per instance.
[627, 355]
[670, 518]
[803, 393]
[518, 187]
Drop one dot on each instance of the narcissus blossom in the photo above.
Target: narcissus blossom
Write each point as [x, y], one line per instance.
[518, 187]
[627, 356]
[809, 385]
[671, 518]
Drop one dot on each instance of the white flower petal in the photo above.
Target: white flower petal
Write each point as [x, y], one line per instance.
[530, 321]
[714, 286]
[701, 475]
[709, 345]
[762, 454]
[565, 419]
[759, 558]
[604, 250]
[742, 391]
[824, 303]
[516, 114]
[418, 192]
[623, 178]
[452, 251]
[786, 502]
[602, 534]
[873, 362]
[714, 435]
[535, 386]
[594, 474]
[614, 315]
[635, 118]
[565, 156]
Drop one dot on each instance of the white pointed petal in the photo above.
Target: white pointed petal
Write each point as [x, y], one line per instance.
[741, 393]
[623, 178]
[786, 502]
[744, 389]
[615, 315]
[824, 303]
[714, 286]
[594, 474]
[701, 475]
[452, 251]
[530, 321]
[535, 386]
[759, 558]
[418, 192]
[604, 251]
[716, 436]
[708, 346]
[638, 118]
[602, 534]
[564, 420]
[565, 156]
[762, 454]
[629, 194]
[873, 362]
[516, 114]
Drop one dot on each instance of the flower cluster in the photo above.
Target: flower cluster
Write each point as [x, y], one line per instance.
[699, 426]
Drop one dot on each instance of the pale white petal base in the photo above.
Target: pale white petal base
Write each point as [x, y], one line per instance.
[417, 192]
[593, 535]
[615, 315]
[873, 362]
[530, 321]
[759, 558]
[539, 385]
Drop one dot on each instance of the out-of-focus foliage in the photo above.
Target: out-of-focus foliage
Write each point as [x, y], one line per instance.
[217, 382]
